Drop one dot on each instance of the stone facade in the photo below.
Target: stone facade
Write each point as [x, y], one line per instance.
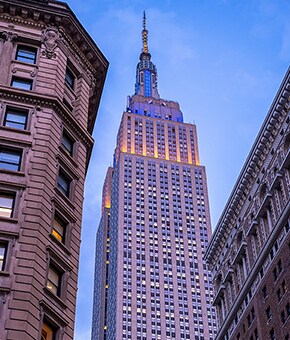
[250, 248]
[51, 80]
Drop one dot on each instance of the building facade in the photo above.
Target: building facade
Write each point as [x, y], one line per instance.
[51, 80]
[150, 280]
[250, 248]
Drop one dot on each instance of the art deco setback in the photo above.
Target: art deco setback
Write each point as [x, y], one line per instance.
[51, 80]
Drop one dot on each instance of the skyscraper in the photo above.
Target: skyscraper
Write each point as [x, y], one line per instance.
[150, 278]
[51, 80]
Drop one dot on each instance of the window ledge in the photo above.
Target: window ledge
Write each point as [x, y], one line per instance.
[11, 129]
[4, 273]
[61, 245]
[64, 198]
[12, 172]
[19, 62]
[55, 297]
[8, 219]
[68, 156]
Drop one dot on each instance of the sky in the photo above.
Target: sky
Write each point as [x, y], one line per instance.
[222, 60]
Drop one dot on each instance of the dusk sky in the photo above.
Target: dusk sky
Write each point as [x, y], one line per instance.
[222, 60]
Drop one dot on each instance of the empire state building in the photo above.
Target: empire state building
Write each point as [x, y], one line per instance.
[151, 281]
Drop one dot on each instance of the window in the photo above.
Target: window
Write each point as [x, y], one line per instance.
[48, 332]
[16, 118]
[69, 78]
[10, 159]
[67, 142]
[268, 313]
[6, 204]
[58, 229]
[63, 183]
[26, 54]
[3, 252]
[272, 334]
[265, 292]
[21, 83]
[54, 280]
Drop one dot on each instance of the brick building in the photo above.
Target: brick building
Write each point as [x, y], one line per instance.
[51, 80]
[250, 248]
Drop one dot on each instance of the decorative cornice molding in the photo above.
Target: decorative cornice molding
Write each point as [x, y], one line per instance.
[43, 15]
[40, 100]
[252, 166]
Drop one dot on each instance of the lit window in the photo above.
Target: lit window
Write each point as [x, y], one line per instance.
[3, 251]
[67, 142]
[54, 280]
[63, 183]
[26, 54]
[21, 83]
[16, 118]
[10, 159]
[6, 205]
[48, 332]
[58, 229]
[69, 78]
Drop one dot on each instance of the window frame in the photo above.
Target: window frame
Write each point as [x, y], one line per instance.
[27, 47]
[59, 286]
[13, 196]
[17, 110]
[70, 78]
[67, 136]
[24, 81]
[64, 175]
[49, 322]
[64, 224]
[5, 244]
[14, 151]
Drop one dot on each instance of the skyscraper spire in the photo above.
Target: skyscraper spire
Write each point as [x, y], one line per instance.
[146, 73]
[144, 35]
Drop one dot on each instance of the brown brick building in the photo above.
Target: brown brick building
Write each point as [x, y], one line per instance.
[51, 80]
[250, 249]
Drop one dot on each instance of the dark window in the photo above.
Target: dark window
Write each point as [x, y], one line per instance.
[265, 292]
[58, 229]
[48, 332]
[67, 142]
[10, 159]
[283, 316]
[3, 253]
[54, 280]
[16, 118]
[268, 313]
[26, 54]
[69, 78]
[63, 183]
[21, 83]
[272, 334]
[6, 204]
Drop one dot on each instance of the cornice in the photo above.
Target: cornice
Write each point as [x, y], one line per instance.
[252, 166]
[39, 101]
[41, 14]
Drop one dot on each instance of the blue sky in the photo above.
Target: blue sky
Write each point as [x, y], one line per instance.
[222, 60]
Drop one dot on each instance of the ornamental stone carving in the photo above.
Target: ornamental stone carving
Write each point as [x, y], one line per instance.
[50, 38]
[8, 36]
